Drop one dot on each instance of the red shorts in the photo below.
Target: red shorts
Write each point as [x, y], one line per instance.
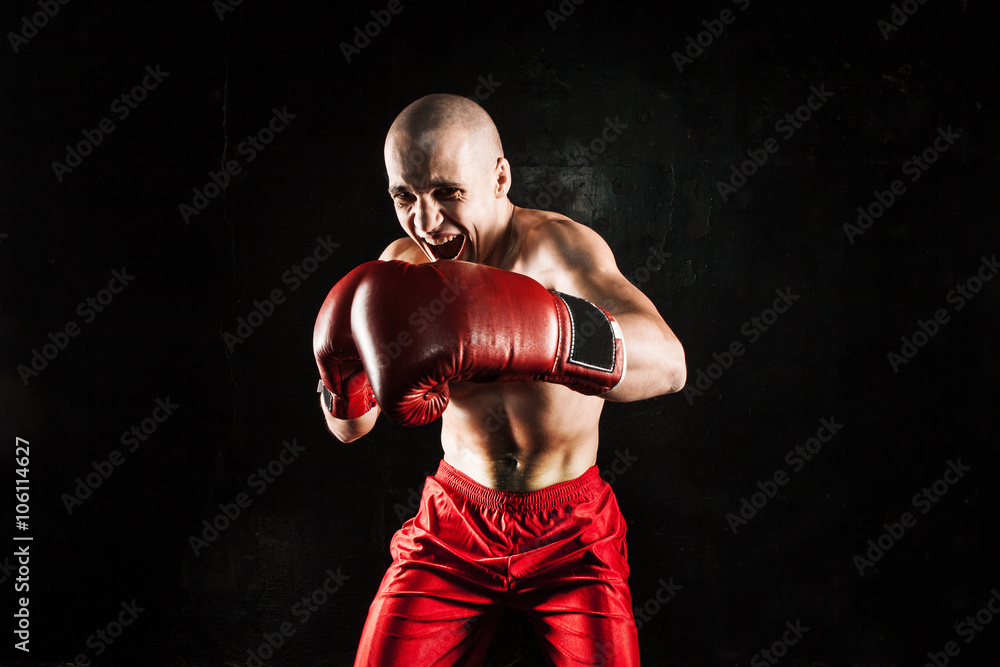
[557, 554]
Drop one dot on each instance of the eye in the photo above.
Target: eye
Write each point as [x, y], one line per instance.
[402, 198]
[448, 193]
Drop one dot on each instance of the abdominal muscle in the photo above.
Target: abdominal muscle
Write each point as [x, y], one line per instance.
[520, 436]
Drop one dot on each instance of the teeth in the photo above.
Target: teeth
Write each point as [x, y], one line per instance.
[442, 241]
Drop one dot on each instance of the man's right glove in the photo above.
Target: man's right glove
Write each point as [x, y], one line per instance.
[348, 394]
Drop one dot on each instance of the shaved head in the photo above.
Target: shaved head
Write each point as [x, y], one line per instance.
[425, 123]
[448, 179]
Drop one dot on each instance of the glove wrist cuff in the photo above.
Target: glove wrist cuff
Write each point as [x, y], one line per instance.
[357, 405]
[594, 348]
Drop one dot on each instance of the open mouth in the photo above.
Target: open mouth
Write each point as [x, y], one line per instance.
[449, 247]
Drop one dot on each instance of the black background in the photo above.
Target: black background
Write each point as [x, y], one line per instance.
[336, 507]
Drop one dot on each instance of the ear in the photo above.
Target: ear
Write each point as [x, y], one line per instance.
[503, 181]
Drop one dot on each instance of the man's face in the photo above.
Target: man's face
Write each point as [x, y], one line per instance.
[445, 194]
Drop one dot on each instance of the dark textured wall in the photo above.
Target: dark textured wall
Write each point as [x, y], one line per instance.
[601, 121]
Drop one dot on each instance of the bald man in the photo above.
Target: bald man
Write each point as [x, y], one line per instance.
[514, 326]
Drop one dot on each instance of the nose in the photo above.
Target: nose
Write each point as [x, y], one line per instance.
[427, 215]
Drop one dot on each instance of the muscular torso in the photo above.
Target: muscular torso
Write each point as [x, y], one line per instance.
[518, 436]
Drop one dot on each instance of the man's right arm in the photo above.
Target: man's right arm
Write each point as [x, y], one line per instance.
[349, 430]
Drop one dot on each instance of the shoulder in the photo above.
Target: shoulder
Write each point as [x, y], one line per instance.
[561, 253]
[551, 238]
[404, 249]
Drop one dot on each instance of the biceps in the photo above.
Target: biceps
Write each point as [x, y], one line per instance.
[618, 296]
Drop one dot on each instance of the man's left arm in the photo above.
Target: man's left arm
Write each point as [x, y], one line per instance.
[580, 263]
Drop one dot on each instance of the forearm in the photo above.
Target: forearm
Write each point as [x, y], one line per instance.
[654, 359]
[349, 430]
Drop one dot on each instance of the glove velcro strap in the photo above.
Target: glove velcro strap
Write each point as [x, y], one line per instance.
[362, 401]
[595, 341]
[327, 396]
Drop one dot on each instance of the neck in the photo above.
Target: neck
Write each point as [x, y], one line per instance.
[504, 241]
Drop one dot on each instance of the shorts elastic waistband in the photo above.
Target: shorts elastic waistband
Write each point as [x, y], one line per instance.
[542, 499]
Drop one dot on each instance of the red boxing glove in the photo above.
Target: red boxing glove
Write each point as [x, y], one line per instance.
[417, 326]
[348, 394]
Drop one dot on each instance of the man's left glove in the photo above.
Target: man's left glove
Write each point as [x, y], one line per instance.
[419, 326]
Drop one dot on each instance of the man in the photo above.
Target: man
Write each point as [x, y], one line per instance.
[514, 326]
